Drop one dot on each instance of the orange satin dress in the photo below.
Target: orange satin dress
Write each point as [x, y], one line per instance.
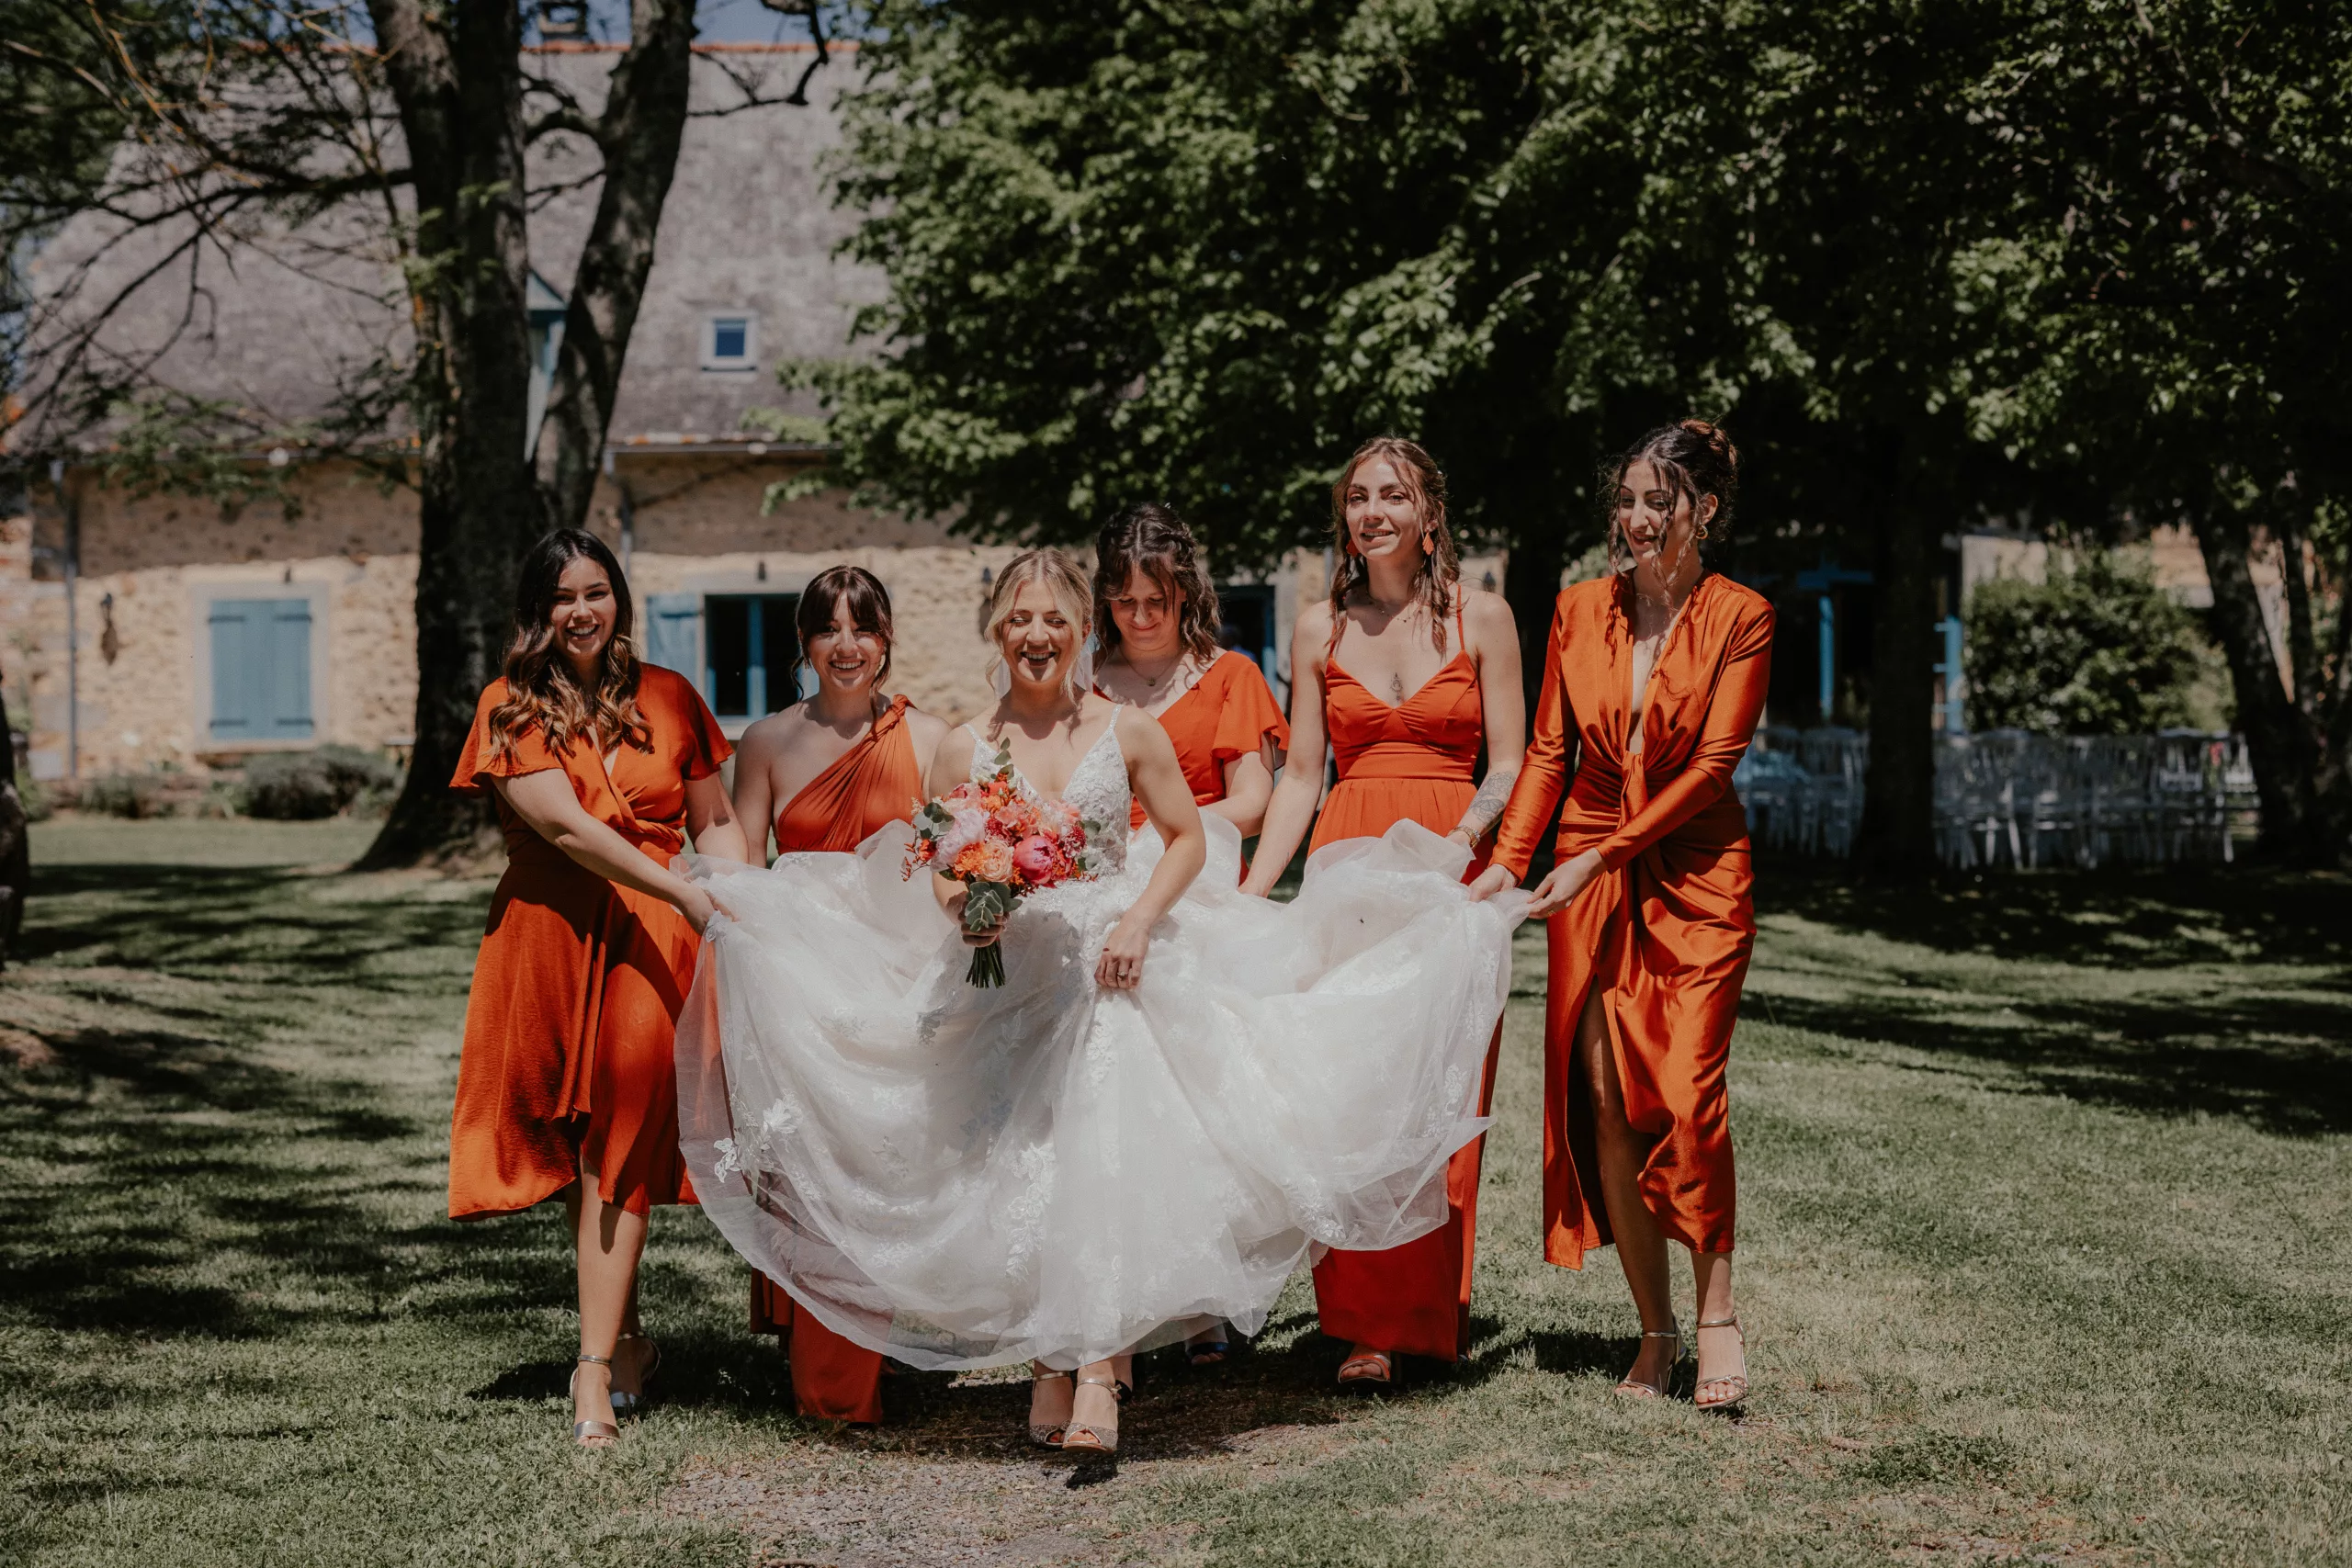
[1413, 758]
[1666, 930]
[566, 1064]
[1231, 712]
[877, 780]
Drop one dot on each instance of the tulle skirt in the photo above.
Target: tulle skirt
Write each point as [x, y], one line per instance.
[964, 1178]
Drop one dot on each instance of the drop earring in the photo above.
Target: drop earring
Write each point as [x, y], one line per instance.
[1001, 678]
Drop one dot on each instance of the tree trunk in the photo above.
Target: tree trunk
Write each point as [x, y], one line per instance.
[455, 75]
[643, 122]
[2278, 738]
[1896, 841]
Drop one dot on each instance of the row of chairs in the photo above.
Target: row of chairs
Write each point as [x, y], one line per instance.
[2009, 799]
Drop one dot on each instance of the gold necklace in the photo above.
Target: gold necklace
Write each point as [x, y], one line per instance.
[1167, 669]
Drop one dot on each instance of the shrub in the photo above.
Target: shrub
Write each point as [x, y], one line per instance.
[40, 800]
[135, 795]
[2096, 649]
[295, 785]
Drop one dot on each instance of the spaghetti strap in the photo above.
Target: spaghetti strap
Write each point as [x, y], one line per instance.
[1460, 643]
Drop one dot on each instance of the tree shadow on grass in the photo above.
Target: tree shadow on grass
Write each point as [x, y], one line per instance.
[2230, 1045]
[2119, 917]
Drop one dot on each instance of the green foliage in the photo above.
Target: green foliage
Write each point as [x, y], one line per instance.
[134, 795]
[299, 785]
[2097, 647]
[1199, 253]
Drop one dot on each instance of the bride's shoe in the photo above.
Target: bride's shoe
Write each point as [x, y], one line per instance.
[627, 1402]
[591, 1434]
[1047, 1433]
[1635, 1387]
[1731, 1389]
[1093, 1437]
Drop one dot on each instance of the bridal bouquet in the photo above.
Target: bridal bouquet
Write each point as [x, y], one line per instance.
[1002, 843]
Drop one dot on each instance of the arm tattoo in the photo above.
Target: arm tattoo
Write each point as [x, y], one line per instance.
[1487, 803]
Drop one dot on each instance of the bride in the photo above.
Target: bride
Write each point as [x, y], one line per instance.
[1176, 1093]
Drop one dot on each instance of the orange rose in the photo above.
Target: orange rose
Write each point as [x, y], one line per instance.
[995, 860]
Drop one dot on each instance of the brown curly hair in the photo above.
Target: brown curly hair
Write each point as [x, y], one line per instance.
[1439, 575]
[1695, 458]
[541, 690]
[1152, 539]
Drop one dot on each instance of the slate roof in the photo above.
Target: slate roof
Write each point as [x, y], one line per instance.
[290, 315]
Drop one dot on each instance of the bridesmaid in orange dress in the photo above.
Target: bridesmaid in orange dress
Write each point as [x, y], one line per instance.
[843, 764]
[602, 767]
[1156, 616]
[1405, 673]
[1656, 674]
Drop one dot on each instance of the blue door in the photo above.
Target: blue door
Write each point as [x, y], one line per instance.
[261, 670]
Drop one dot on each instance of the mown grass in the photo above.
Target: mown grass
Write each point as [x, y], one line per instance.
[2046, 1251]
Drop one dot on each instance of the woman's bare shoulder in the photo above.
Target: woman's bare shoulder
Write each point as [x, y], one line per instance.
[926, 729]
[1487, 613]
[772, 734]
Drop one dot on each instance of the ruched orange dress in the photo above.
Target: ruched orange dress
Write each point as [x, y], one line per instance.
[1231, 712]
[566, 1064]
[876, 782]
[1415, 759]
[1666, 930]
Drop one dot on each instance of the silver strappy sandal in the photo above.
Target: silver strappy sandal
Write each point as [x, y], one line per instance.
[591, 1434]
[624, 1401]
[1736, 1385]
[1634, 1388]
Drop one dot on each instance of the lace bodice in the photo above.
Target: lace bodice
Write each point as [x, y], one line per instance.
[1098, 789]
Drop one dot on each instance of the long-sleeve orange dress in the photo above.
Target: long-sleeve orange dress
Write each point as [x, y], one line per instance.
[566, 1064]
[1666, 930]
[877, 780]
[1414, 759]
[1231, 712]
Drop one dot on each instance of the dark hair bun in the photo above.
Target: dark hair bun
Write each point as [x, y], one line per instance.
[1718, 444]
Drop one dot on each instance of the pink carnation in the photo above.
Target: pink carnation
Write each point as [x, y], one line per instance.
[969, 825]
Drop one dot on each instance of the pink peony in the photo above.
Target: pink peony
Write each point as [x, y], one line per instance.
[1036, 857]
[968, 828]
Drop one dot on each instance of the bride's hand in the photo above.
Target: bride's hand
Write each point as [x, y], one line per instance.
[698, 906]
[1491, 881]
[1122, 965]
[980, 937]
[1558, 891]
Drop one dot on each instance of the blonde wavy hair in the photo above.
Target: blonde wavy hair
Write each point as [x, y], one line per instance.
[1073, 595]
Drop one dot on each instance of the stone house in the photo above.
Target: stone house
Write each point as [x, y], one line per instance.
[162, 629]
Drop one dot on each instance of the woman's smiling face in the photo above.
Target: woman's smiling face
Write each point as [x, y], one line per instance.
[1038, 639]
[583, 615]
[1384, 511]
[846, 659]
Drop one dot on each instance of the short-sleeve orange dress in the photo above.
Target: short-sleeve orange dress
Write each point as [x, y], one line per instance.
[876, 782]
[569, 1025]
[1231, 712]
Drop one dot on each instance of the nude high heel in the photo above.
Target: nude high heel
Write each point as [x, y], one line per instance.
[591, 1434]
[1045, 1433]
[1634, 1387]
[1092, 1436]
[1736, 1385]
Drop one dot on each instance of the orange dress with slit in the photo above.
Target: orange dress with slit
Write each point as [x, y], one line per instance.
[566, 1064]
[1666, 930]
[1231, 712]
[876, 782]
[1414, 759]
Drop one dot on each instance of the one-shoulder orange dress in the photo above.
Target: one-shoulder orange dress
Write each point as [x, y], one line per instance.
[569, 1025]
[1415, 759]
[876, 782]
[1231, 712]
[1666, 927]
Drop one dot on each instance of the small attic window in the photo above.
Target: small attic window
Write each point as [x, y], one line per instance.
[729, 341]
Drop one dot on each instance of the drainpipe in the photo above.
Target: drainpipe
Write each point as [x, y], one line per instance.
[73, 623]
[627, 510]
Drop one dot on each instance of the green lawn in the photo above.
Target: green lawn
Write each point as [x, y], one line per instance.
[2046, 1252]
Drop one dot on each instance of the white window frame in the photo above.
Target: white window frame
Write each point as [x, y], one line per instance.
[710, 358]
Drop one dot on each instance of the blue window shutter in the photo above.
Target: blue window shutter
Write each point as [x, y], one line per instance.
[673, 633]
[261, 670]
[287, 670]
[236, 702]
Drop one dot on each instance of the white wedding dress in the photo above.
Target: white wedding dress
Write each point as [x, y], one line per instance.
[965, 1176]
